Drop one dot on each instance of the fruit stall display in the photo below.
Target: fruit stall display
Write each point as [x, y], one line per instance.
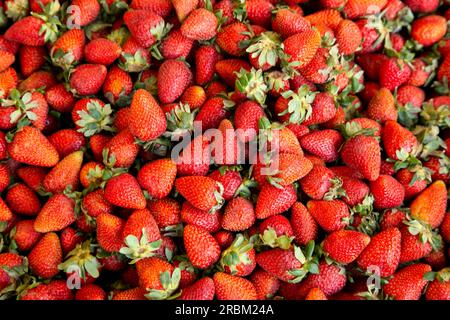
[345, 197]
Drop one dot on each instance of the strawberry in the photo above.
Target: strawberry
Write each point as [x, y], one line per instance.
[8, 81]
[88, 11]
[122, 148]
[273, 201]
[135, 58]
[110, 232]
[407, 283]
[173, 78]
[206, 58]
[303, 225]
[144, 26]
[150, 174]
[6, 60]
[87, 79]
[95, 203]
[387, 192]
[344, 246]
[316, 294]
[8, 260]
[37, 80]
[266, 285]
[230, 287]
[56, 214]
[67, 141]
[30, 146]
[27, 31]
[430, 205]
[203, 219]
[396, 138]
[70, 238]
[64, 174]
[32, 176]
[46, 256]
[141, 221]
[130, 294]
[176, 45]
[348, 37]
[239, 215]
[184, 7]
[158, 277]
[201, 247]
[330, 215]
[227, 69]
[413, 248]
[90, 292]
[102, 51]
[382, 106]
[69, 48]
[194, 96]
[59, 98]
[429, 30]
[328, 17]
[301, 47]
[230, 36]
[165, 211]
[383, 251]
[202, 289]
[439, 288]
[318, 182]
[213, 111]
[146, 119]
[207, 194]
[201, 24]
[195, 158]
[246, 118]
[22, 200]
[24, 236]
[161, 7]
[124, 191]
[358, 8]
[393, 73]
[324, 143]
[288, 22]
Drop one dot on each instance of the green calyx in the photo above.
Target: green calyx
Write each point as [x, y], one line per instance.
[169, 283]
[435, 116]
[23, 115]
[299, 104]
[133, 62]
[269, 238]
[424, 232]
[64, 60]
[159, 32]
[82, 258]
[17, 9]
[136, 249]
[218, 195]
[237, 254]
[430, 141]
[309, 261]
[369, 223]
[352, 129]
[413, 164]
[336, 190]
[275, 80]
[180, 120]
[119, 36]
[95, 119]
[252, 84]
[265, 47]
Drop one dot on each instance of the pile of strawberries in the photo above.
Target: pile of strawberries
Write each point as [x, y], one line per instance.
[348, 102]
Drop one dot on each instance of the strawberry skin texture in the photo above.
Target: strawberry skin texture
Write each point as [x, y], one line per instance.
[202, 289]
[157, 177]
[146, 119]
[138, 220]
[330, 215]
[438, 290]
[387, 191]
[110, 232]
[124, 191]
[26, 31]
[430, 205]
[230, 287]
[9, 260]
[30, 146]
[202, 196]
[173, 78]
[428, 30]
[239, 215]
[382, 106]
[302, 47]
[56, 214]
[383, 251]
[23, 200]
[201, 24]
[65, 173]
[149, 271]
[87, 79]
[102, 51]
[90, 292]
[278, 262]
[344, 246]
[407, 283]
[273, 201]
[46, 256]
[200, 218]
[303, 224]
[202, 248]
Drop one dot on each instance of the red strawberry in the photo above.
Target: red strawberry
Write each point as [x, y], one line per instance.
[46, 256]
[393, 73]
[303, 224]
[56, 214]
[23, 200]
[288, 22]
[330, 279]
[382, 106]
[230, 287]
[68, 49]
[5, 212]
[439, 288]
[110, 232]
[27, 31]
[272, 200]
[88, 11]
[318, 182]
[157, 177]
[193, 216]
[201, 247]
[383, 252]
[158, 277]
[165, 211]
[8, 81]
[184, 7]
[330, 215]
[173, 78]
[302, 47]
[246, 118]
[124, 191]
[201, 24]
[387, 192]
[396, 138]
[230, 36]
[146, 120]
[87, 79]
[231, 181]
[32, 176]
[102, 51]
[328, 17]
[90, 292]
[344, 246]
[430, 205]
[206, 58]
[239, 215]
[59, 98]
[67, 141]
[25, 236]
[202, 289]
[323, 143]
[176, 45]
[358, 8]
[143, 25]
[407, 283]
[121, 147]
[206, 195]
[213, 111]
[266, 285]
[30, 146]
[64, 174]
[6, 60]
[428, 30]
[316, 294]
[348, 37]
